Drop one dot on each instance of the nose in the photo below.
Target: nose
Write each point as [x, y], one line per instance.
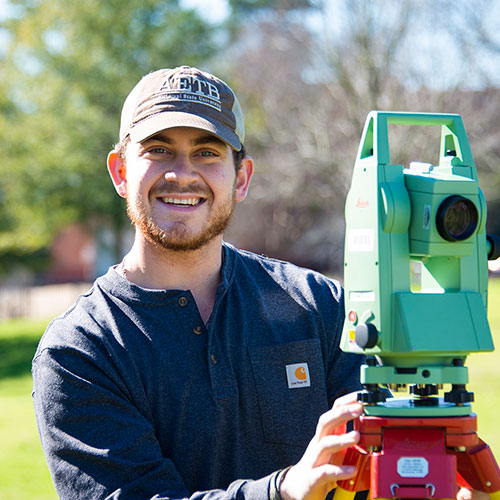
[181, 171]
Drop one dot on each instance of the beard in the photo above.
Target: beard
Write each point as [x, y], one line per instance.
[180, 238]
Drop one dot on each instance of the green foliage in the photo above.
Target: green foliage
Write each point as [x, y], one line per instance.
[36, 260]
[66, 72]
[249, 6]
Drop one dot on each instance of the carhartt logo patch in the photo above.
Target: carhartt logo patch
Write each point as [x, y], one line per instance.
[298, 375]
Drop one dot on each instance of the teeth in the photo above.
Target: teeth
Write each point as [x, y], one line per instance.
[189, 201]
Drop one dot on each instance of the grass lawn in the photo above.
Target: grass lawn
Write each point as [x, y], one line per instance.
[484, 377]
[23, 472]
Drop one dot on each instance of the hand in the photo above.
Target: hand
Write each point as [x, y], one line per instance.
[466, 494]
[315, 474]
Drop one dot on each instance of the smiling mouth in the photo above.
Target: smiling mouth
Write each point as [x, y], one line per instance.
[190, 202]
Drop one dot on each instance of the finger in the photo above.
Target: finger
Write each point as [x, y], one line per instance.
[329, 473]
[464, 494]
[346, 399]
[332, 443]
[335, 417]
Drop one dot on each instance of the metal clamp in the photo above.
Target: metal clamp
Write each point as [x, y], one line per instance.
[429, 486]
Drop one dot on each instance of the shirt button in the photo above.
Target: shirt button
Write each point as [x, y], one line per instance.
[198, 330]
[213, 359]
[182, 301]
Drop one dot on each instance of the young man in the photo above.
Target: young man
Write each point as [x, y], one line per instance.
[193, 369]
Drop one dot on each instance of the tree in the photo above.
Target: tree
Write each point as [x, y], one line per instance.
[308, 79]
[66, 71]
[307, 73]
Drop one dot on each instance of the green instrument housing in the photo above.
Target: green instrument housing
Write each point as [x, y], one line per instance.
[415, 270]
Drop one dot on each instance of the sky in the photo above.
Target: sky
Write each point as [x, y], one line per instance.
[2, 8]
[212, 10]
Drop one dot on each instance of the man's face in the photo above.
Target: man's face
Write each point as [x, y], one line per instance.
[181, 187]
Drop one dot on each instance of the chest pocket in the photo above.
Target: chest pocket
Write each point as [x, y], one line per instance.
[291, 390]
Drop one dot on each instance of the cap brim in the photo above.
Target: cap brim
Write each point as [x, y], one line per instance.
[162, 121]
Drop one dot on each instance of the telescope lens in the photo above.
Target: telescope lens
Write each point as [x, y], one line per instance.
[457, 218]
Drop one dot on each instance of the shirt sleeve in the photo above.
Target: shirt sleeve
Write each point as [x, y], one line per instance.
[98, 443]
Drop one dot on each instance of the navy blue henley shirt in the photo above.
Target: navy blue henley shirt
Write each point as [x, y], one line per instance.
[136, 398]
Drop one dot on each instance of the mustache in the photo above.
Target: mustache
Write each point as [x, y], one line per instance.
[165, 187]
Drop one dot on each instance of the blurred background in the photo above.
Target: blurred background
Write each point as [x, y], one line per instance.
[307, 72]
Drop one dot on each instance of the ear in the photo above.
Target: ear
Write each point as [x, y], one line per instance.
[118, 173]
[243, 178]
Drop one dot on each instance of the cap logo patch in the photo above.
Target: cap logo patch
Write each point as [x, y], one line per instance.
[191, 89]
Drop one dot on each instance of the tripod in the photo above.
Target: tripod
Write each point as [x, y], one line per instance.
[419, 457]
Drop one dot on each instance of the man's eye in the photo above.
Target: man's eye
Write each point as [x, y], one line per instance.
[157, 150]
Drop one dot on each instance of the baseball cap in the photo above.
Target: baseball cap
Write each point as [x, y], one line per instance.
[182, 97]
